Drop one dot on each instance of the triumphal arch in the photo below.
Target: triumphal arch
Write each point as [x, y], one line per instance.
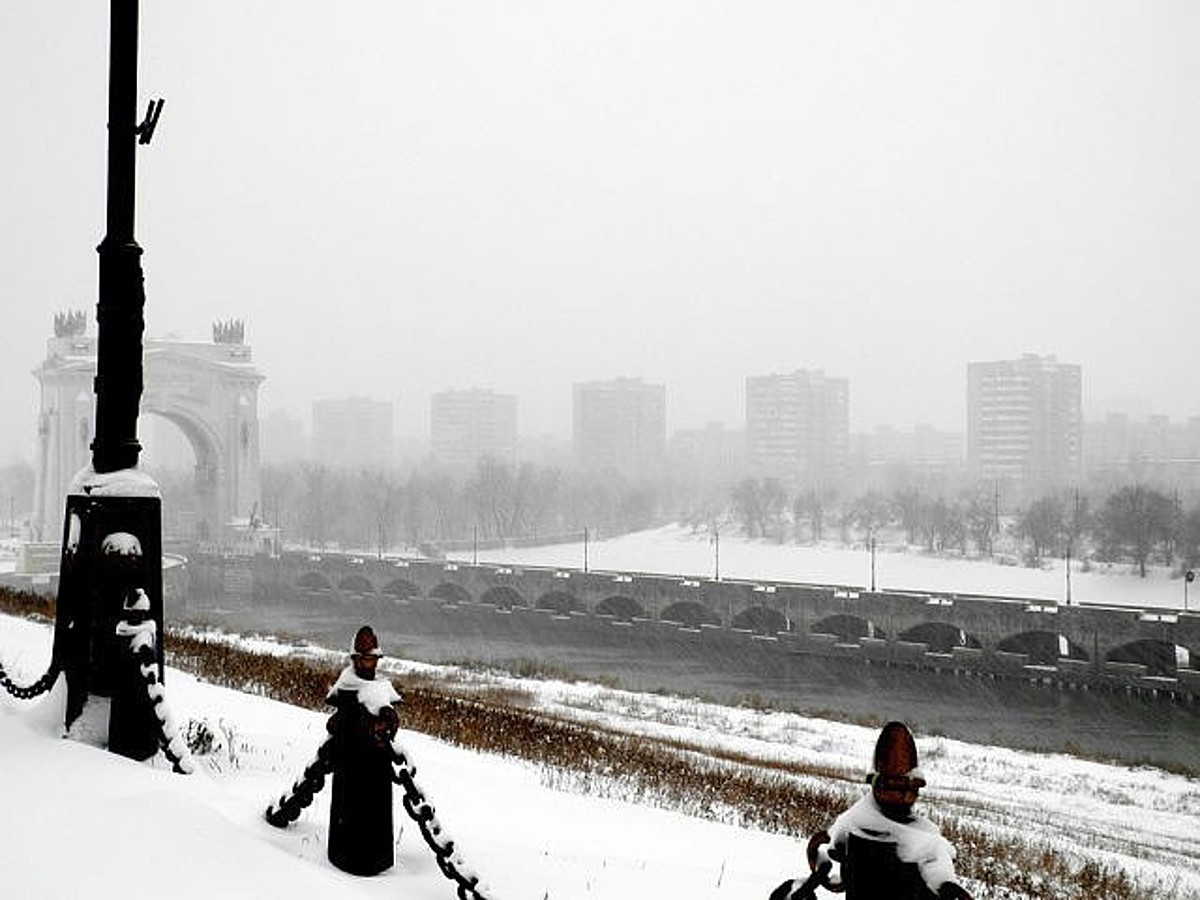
[208, 389]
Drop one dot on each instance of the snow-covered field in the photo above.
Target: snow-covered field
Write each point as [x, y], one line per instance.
[80, 822]
[680, 551]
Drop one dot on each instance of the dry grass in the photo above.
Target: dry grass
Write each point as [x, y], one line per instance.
[774, 797]
[26, 603]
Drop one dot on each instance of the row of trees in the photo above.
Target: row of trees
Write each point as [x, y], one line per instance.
[1134, 523]
[385, 509]
[380, 510]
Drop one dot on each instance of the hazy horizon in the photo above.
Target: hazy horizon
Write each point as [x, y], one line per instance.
[401, 199]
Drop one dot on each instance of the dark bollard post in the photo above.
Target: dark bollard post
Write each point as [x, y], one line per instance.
[112, 536]
[98, 574]
[361, 836]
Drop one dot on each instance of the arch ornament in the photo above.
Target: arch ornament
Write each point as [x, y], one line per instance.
[208, 390]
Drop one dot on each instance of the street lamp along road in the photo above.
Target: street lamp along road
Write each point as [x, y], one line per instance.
[112, 535]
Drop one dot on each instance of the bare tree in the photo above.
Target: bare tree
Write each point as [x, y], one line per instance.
[1041, 526]
[758, 505]
[911, 510]
[278, 485]
[449, 517]
[380, 494]
[1189, 542]
[811, 504]
[490, 494]
[1133, 520]
[414, 513]
[538, 493]
[319, 505]
[871, 512]
[981, 522]
[747, 506]
[943, 526]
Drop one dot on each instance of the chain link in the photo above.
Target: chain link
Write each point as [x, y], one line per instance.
[39, 687]
[289, 807]
[421, 811]
[143, 641]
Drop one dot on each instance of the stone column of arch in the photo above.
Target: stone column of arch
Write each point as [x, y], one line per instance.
[65, 423]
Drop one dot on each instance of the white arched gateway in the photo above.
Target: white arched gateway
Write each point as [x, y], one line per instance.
[209, 390]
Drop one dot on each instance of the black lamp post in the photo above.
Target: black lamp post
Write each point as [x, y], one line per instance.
[122, 298]
[111, 568]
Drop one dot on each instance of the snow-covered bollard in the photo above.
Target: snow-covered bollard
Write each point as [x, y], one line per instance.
[361, 832]
[364, 759]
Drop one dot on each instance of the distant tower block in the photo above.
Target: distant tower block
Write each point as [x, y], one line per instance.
[209, 390]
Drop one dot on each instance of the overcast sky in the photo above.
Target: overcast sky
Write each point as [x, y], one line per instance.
[402, 197]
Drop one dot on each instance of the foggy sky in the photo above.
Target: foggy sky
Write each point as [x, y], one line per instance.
[404, 197]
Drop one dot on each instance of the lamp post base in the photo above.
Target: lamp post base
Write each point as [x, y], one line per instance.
[112, 549]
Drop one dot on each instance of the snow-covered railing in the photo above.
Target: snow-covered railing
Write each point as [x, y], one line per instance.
[289, 806]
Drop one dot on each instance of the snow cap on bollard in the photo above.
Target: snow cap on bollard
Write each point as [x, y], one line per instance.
[896, 781]
[896, 754]
[365, 643]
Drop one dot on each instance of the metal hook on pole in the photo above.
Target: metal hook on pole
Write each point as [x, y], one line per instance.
[145, 131]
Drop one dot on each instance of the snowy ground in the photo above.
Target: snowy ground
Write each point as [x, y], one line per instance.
[679, 551]
[81, 822]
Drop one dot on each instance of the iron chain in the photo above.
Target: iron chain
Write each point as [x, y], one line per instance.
[289, 807]
[143, 639]
[39, 687]
[421, 811]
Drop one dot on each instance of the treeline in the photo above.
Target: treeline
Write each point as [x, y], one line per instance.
[381, 509]
[1132, 524]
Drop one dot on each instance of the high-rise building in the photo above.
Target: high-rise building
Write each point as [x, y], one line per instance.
[353, 431]
[466, 426]
[798, 428]
[619, 425]
[1025, 421]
